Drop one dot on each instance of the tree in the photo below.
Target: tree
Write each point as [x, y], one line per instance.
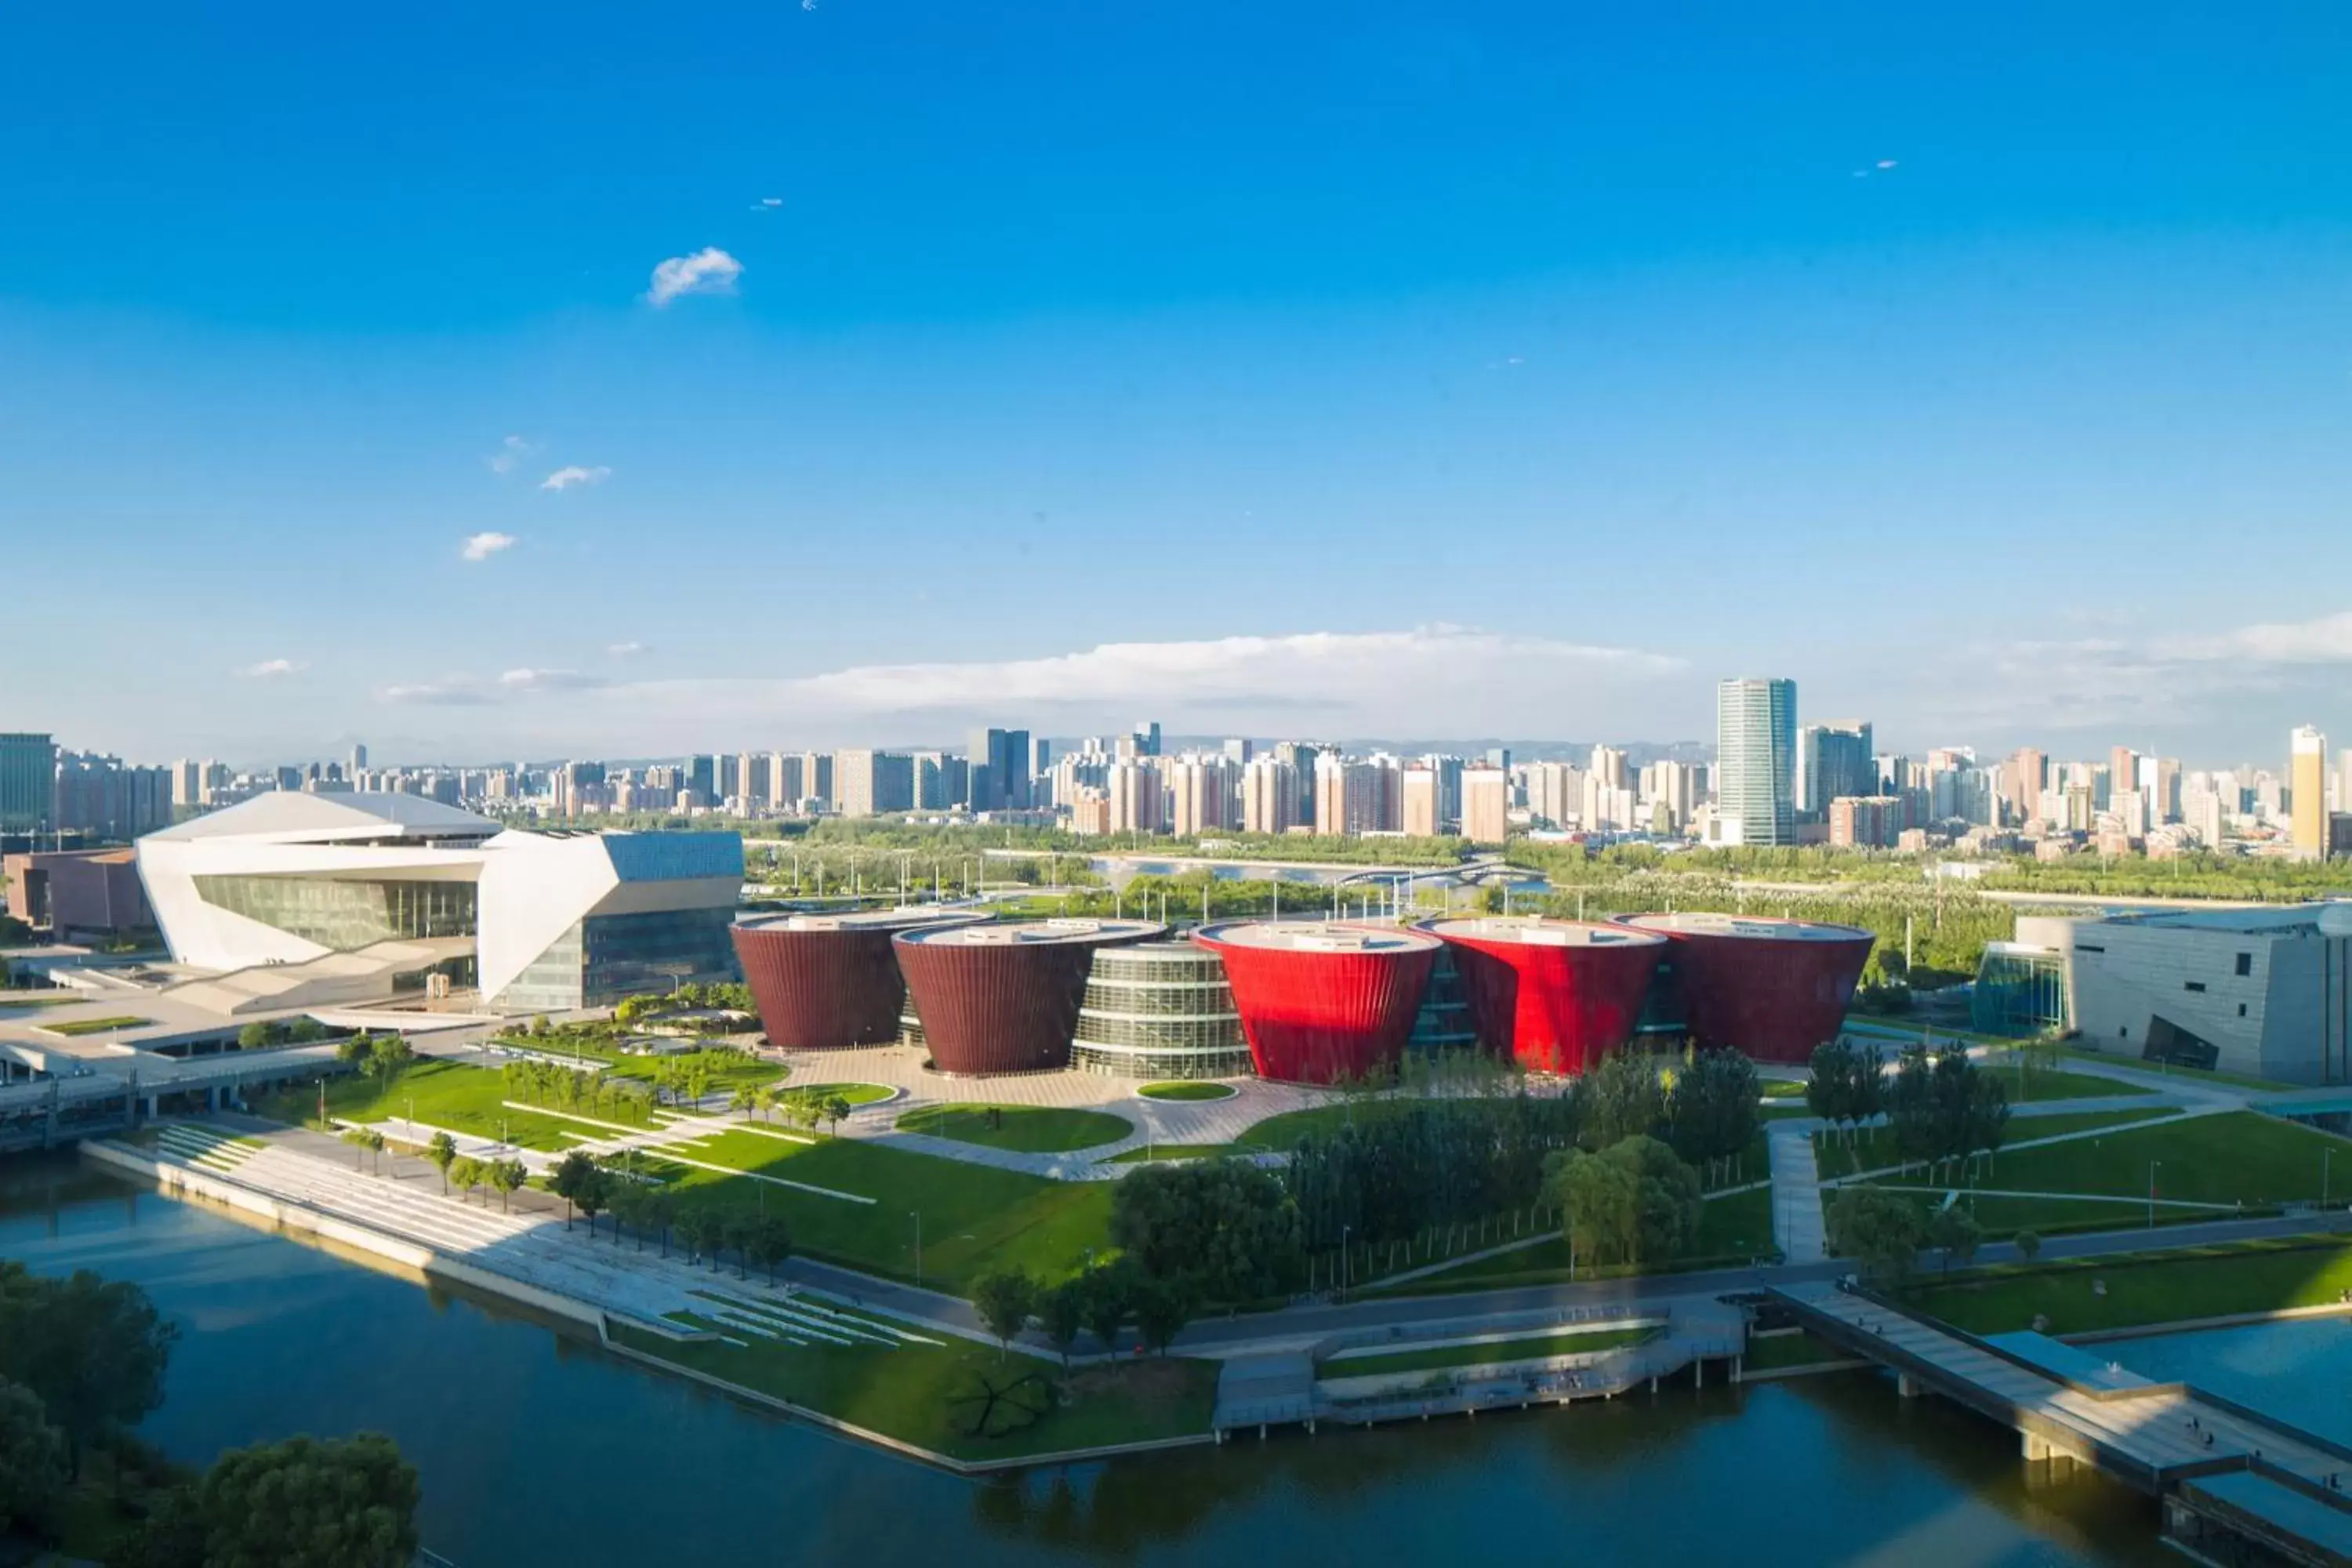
[1635, 1202]
[508, 1176]
[467, 1174]
[1713, 1105]
[1880, 1230]
[32, 1461]
[1110, 1293]
[2027, 1243]
[1596, 1200]
[443, 1151]
[572, 1172]
[253, 1036]
[1162, 1308]
[1952, 1231]
[1229, 1227]
[768, 1242]
[352, 1049]
[593, 1194]
[1063, 1315]
[659, 1213]
[835, 1109]
[303, 1503]
[1622, 1098]
[93, 1351]
[1944, 1107]
[1004, 1299]
[700, 1228]
[388, 1057]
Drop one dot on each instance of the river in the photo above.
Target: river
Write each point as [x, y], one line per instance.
[535, 1448]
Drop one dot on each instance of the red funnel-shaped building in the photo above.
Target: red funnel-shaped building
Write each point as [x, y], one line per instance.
[1553, 995]
[1005, 997]
[1773, 989]
[825, 983]
[1321, 1003]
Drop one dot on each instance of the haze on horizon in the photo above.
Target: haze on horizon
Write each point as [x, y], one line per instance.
[581, 381]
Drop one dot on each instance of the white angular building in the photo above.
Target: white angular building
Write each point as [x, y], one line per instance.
[295, 900]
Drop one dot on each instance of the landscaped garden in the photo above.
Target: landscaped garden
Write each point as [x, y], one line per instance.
[1020, 1129]
[2235, 1157]
[1875, 1148]
[78, 1026]
[1188, 1090]
[2081, 1295]
[441, 1094]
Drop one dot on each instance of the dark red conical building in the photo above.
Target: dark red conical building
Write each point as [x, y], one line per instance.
[829, 982]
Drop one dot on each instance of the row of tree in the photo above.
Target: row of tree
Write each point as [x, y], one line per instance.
[1938, 1106]
[577, 1089]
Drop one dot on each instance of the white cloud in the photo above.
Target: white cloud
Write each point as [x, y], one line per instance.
[471, 692]
[626, 650]
[564, 479]
[482, 546]
[709, 270]
[511, 451]
[1431, 681]
[2326, 640]
[270, 669]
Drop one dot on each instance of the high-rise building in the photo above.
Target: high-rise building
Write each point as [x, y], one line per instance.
[998, 770]
[1200, 795]
[28, 772]
[99, 794]
[1147, 738]
[1866, 822]
[1556, 793]
[1486, 805]
[1346, 795]
[939, 781]
[1833, 760]
[871, 783]
[2309, 798]
[2022, 778]
[1419, 791]
[359, 758]
[1755, 760]
[1269, 796]
[1138, 797]
[2344, 780]
[1238, 751]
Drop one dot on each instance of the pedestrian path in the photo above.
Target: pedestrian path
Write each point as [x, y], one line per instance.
[1797, 1226]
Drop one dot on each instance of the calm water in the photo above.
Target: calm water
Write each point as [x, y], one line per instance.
[2299, 1372]
[536, 1449]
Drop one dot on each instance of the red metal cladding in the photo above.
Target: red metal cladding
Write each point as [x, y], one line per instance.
[1005, 1006]
[1321, 1015]
[1552, 1006]
[1772, 996]
[822, 988]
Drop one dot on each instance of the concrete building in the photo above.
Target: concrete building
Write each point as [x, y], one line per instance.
[871, 784]
[1138, 797]
[2263, 992]
[1486, 805]
[1755, 749]
[1418, 788]
[1269, 796]
[1203, 794]
[999, 763]
[1866, 822]
[105, 799]
[1347, 799]
[1833, 760]
[309, 900]
[2309, 785]
[79, 894]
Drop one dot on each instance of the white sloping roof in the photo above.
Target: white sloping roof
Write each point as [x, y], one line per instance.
[292, 817]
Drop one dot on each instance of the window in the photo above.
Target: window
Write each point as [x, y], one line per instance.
[2086, 947]
[2192, 985]
[2245, 963]
[2241, 1009]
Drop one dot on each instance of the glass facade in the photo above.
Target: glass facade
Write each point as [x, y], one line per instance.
[603, 959]
[1158, 1012]
[1444, 1022]
[345, 915]
[2020, 992]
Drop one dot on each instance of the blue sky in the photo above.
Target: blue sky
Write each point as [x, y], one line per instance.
[1358, 371]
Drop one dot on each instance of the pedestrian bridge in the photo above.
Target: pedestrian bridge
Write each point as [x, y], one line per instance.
[2225, 1473]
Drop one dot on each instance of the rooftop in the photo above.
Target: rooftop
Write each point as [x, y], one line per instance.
[1030, 933]
[1536, 930]
[1320, 936]
[1754, 928]
[292, 817]
[861, 920]
[2277, 919]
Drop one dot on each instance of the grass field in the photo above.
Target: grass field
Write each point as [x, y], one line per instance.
[446, 1094]
[1022, 1129]
[2190, 1075]
[1784, 1089]
[735, 1071]
[76, 1026]
[1150, 1152]
[2055, 1083]
[2239, 1156]
[1490, 1352]
[1190, 1088]
[1278, 1133]
[975, 1217]
[37, 998]
[906, 1392]
[2000, 1216]
[855, 1093]
[1873, 1148]
[2145, 1288]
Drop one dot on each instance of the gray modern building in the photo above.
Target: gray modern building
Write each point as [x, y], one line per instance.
[2262, 992]
[999, 764]
[1755, 762]
[1833, 760]
[28, 782]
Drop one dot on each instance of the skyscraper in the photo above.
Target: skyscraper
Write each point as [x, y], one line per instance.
[870, 783]
[2309, 800]
[1486, 805]
[998, 775]
[1833, 760]
[28, 780]
[1755, 759]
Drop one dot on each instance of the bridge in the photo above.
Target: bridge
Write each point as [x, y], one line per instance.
[2226, 1475]
[95, 1099]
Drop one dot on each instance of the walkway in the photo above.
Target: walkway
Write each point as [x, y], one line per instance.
[1797, 1226]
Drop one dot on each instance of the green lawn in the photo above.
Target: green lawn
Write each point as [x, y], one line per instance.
[905, 1393]
[1873, 1148]
[2239, 1156]
[94, 1026]
[2055, 1083]
[2145, 1288]
[446, 1094]
[1490, 1352]
[1280, 1133]
[2161, 1069]
[1191, 1088]
[735, 1071]
[37, 999]
[1785, 1088]
[1023, 1129]
[976, 1218]
[1732, 1230]
[2001, 1217]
